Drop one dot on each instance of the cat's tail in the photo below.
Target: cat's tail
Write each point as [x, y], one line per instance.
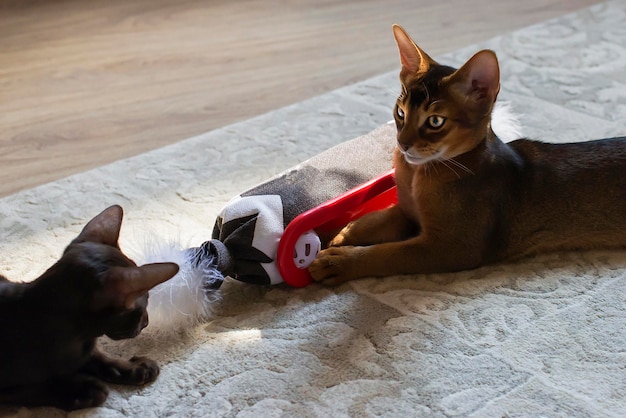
[505, 123]
[187, 298]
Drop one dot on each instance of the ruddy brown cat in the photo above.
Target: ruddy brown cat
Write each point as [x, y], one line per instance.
[465, 198]
[49, 327]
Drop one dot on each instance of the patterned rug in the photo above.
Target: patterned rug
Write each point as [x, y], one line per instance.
[540, 337]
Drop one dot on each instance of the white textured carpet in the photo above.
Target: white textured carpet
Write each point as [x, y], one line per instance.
[542, 337]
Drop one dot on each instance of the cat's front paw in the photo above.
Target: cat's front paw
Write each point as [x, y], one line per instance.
[335, 265]
[79, 392]
[143, 370]
[136, 371]
[343, 238]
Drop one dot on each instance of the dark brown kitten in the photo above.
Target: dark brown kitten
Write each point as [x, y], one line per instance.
[49, 327]
[465, 198]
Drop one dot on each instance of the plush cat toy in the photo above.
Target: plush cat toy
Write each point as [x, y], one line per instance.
[269, 234]
[250, 229]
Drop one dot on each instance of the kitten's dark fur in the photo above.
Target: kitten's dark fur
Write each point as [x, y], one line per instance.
[49, 327]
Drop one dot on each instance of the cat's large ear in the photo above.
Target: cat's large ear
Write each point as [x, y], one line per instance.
[415, 62]
[130, 283]
[479, 78]
[104, 228]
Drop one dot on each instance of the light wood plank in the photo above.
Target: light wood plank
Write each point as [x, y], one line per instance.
[84, 83]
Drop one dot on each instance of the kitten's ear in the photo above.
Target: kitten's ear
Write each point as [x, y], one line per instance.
[415, 62]
[130, 283]
[479, 78]
[104, 228]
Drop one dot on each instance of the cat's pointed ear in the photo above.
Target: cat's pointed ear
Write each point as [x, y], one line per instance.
[415, 62]
[130, 283]
[479, 78]
[104, 228]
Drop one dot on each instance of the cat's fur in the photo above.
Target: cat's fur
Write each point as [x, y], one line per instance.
[465, 198]
[49, 327]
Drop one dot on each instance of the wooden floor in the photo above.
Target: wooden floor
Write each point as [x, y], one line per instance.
[84, 83]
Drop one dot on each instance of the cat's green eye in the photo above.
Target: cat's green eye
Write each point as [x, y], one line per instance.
[435, 121]
[400, 112]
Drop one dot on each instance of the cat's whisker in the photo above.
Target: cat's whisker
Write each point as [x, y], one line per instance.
[429, 168]
[461, 166]
[442, 161]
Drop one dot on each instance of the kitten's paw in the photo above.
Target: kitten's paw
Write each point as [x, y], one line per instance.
[136, 371]
[80, 392]
[143, 370]
[335, 265]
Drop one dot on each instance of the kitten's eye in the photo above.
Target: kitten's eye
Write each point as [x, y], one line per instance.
[400, 112]
[436, 122]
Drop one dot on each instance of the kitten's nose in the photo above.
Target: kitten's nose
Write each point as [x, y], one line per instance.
[404, 147]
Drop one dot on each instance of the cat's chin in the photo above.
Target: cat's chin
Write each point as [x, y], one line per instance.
[418, 160]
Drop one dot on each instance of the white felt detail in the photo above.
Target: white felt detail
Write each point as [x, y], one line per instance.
[268, 229]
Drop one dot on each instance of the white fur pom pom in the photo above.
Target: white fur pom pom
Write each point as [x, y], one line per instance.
[505, 123]
[185, 299]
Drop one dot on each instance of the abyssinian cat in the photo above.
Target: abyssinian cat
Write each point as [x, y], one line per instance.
[49, 327]
[465, 198]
